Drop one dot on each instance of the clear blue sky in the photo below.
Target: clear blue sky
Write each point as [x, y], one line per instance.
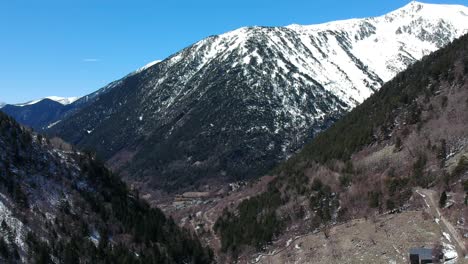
[74, 47]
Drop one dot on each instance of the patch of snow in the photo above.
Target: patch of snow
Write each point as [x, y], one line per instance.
[149, 65]
[53, 124]
[437, 220]
[449, 252]
[63, 100]
[95, 237]
[17, 228]
[396, 249]
[424, 198]
[447, 236]
[422, 195]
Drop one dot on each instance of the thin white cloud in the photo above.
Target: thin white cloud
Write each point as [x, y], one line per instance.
[91, 60]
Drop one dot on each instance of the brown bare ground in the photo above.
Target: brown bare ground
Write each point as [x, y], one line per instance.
[385, 240]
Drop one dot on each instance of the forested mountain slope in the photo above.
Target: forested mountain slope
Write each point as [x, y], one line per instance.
[61, 206]
[412, 133]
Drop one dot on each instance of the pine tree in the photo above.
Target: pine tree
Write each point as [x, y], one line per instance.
[443, 199]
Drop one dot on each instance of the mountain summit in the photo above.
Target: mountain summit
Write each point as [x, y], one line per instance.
[58, 99]
[231, 106]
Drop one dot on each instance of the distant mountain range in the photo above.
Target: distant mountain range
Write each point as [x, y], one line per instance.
[44, 113]
[61, 100]
[40, 113]
[232, 106]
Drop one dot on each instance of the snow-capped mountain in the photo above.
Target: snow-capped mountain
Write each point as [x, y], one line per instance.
[60, 100]
[46, 112]
[231, 106]
[2, 104]
[389, 43]
[64, 100]
[408, 134]
[41, 113]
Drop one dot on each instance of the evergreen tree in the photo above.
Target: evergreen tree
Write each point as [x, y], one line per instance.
[443, 199]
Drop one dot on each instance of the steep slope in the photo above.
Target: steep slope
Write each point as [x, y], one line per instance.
[61, 206]
[411, 133]
[231, 106]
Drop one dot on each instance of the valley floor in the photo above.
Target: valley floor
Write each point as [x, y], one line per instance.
[384, 239]
[380, 239]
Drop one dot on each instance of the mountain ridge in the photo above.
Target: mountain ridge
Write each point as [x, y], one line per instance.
[38, 114]
[250, 97]
[58, 99]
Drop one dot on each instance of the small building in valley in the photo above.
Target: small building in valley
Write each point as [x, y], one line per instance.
[424, 255]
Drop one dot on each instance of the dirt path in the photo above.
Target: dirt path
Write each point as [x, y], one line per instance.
[429, 197]
[208, 219]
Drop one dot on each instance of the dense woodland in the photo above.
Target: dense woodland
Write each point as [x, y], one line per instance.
[403, 99]
[96, 202]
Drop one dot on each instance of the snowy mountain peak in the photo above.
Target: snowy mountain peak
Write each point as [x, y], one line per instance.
[61, 100]
[360, 54]
[456, 14]
[271, 88]
[417, 6]
[436, 11]
[148, 65]
[414, 6]
[388, 44]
